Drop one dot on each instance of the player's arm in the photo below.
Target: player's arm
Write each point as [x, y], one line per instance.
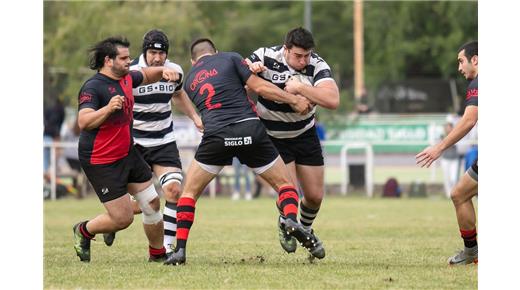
[465, 124]
[271, 92]
[183, 102]
[154, 74]
[89, 118]
[324, 94]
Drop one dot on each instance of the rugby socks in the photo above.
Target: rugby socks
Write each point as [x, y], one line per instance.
[170, 224]
[156, 253]
[307, 216]
[185, 216]
[469, 237]
[288, 202]
[83, 230]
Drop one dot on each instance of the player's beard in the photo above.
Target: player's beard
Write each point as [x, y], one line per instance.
[121, 71]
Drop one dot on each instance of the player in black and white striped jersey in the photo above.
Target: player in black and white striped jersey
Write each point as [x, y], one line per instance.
[295, 68]
[153, 125]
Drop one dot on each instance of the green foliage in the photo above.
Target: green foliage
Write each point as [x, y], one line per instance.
[371, 244]
[401, 39]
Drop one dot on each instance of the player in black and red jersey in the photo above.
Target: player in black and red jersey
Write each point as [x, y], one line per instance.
[467, 187]
[106, 150]
[215, 84]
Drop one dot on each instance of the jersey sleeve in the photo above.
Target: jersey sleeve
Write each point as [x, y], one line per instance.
[322, 72]
[137, 78]
[257, 55]
[472, 94]
[178, 69]
[241, 67]
[88, 98]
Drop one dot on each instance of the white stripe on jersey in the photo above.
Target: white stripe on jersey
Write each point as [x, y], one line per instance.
[276, 115]
[150, 142]
[152, 125]
[155, 108]
[290, 134]
[150, 89]
[280, 75]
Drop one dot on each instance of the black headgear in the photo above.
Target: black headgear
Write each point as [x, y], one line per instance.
[155, 39]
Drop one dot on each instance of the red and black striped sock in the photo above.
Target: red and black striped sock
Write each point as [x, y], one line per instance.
[288, 201]
[185, 217]
[469, 237]
[156, 253]
[83, 230]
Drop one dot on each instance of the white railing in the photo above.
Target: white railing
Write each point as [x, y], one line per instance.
[369, 164]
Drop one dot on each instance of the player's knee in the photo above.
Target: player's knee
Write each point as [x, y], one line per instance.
[149, 204]
[457, 196]
[172, 192]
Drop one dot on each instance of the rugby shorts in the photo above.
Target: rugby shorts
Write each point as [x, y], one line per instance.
[246, 140]
[166, 155]
[110, 181]
[304, 149]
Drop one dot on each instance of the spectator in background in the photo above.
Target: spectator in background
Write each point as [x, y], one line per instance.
[53, 116]
[320, 129]
[241, 171]
[449, 163]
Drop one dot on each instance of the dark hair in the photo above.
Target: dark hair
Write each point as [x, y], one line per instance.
[155, 39]
[201, 46]
[299, 37]
[104, 48]
[470, 49]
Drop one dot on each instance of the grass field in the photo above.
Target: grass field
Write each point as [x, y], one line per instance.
[371, 244]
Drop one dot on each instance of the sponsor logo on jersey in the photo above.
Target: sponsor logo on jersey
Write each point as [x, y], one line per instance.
[85, 98]
[471, 93]
[202, 76]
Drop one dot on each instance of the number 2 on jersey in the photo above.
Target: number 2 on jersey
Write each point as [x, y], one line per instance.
[211, 92]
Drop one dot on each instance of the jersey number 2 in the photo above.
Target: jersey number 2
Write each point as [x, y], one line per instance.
[211, 92]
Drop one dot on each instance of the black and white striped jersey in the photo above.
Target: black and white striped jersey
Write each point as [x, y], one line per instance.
[280, 120]
[153, 123]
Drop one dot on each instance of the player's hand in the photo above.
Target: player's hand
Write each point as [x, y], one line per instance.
[293, 86]
[427, 156]
[116, 103]
[256, 67]
[302, 106]
[170, 75]
[198, 123]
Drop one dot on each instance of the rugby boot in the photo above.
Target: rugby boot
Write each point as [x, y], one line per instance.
[307, 239]
[287, 241]
[109, 238]
[159, 259]
[81, 244]
[464, 257]
[176, 258]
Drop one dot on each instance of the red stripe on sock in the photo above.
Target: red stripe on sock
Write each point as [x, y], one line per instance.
[290, 209]
[156, 252]
[286, 187]
[182, 233]
[185, 216]
[471, 234]
[287, 195]
[186, 201]
[84, 233]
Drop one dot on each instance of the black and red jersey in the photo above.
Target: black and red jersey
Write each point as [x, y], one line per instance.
[112, 140]
[472, 93]
[215, 85]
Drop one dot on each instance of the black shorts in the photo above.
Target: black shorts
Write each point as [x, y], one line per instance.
[166, 155]
[245, 140]
[110, 181]
[304, 149]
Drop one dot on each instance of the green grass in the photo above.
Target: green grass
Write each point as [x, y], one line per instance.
[371, 244]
